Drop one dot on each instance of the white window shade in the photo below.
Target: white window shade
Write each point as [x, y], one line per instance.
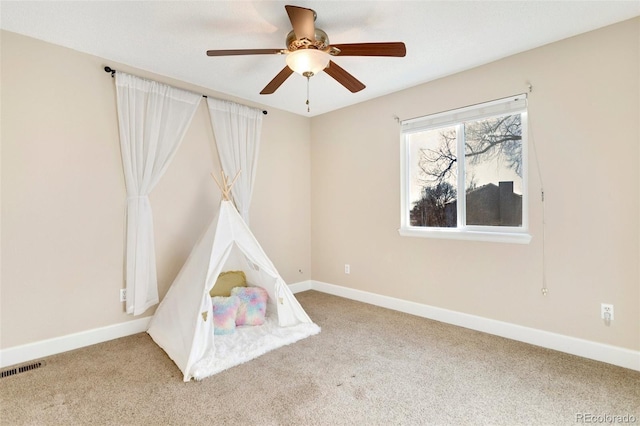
[474, 112]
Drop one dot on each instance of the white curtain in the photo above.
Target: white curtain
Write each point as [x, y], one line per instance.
[237, 131]
[153, 119]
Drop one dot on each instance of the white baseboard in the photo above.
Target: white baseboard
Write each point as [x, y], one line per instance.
[43, 348]
[300, 286]
[597, 351]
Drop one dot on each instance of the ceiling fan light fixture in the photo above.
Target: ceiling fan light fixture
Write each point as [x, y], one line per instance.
[308, 62]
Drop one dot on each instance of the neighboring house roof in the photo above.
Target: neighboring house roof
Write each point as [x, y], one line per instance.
[492, 205]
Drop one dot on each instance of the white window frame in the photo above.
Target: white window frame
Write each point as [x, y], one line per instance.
[503, 234]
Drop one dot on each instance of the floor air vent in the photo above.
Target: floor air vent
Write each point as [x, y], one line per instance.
[17, 370]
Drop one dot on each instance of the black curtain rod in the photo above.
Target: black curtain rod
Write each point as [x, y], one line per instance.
[112, 71]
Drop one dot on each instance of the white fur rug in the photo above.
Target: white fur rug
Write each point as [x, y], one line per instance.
[249, 342]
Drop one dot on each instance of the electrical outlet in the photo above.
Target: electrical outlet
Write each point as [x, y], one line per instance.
[606, 311]
[347, 269]
[123, 294]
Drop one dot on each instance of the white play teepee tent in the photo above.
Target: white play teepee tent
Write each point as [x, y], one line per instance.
[183, 322]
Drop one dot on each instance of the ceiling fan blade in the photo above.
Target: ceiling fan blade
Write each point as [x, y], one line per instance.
[344, 78]
[397, 49]
[277, 81]
[244, 52]
[302, 20]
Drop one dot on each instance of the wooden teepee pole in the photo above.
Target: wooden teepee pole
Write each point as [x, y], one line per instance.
[225, 186]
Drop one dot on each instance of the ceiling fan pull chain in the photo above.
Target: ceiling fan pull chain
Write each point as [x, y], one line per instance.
[308, 109]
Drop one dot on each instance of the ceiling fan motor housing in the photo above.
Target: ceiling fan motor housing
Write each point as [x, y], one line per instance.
[321, 41]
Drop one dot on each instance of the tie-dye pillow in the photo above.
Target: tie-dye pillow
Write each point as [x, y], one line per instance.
[225, 310]
[253, 305]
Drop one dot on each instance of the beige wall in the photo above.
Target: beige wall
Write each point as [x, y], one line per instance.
[63, 194]
[583, 115]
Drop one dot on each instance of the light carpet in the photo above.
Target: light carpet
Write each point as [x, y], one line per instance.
[368, 366]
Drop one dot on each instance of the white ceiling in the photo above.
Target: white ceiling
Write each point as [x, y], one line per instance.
[171, 38]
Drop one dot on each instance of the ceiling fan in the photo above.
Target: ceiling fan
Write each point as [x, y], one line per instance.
[309, 52]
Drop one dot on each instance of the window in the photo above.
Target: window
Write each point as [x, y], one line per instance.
[464, 173]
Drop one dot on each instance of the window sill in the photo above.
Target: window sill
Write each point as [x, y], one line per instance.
[457, 234]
